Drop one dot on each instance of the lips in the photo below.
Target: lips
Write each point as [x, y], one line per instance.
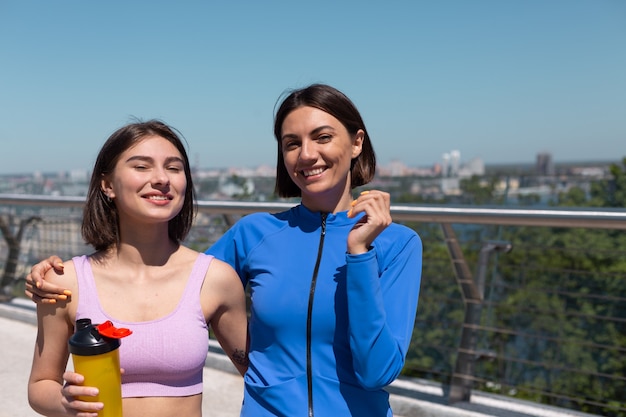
[311, 172]
[158, 197]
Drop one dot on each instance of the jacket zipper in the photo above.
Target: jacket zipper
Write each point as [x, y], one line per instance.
[309, 368]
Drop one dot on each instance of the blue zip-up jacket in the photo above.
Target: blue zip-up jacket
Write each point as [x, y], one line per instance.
[328, 330]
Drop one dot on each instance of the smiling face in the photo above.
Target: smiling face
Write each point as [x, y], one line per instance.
[148, 182]
[317, 151]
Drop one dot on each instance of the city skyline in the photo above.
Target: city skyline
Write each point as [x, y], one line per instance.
[451, 163]
[501, 81]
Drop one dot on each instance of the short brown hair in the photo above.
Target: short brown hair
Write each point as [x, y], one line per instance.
[337, 104]
[100, 226]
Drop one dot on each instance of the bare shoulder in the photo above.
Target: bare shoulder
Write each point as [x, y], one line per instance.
[221, 273]
[222, 280]
[221, 290]
[56, 316]
[65, 278]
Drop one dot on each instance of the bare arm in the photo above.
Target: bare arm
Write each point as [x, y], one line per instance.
[39, 288]
[229, 321]
[46, 392]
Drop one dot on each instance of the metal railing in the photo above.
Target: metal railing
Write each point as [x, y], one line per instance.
[539, 319]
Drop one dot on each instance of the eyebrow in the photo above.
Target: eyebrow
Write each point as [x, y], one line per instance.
[313, 132]
[168, 160]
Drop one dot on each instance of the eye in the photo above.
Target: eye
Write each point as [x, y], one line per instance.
[324, 137]
[289, 145]
[175, 168]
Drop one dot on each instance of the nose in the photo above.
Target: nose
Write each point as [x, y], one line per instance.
[160, 177]
[308, 151]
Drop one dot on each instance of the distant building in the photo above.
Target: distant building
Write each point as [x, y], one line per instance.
[397, 168]
[452, 167]
[450, 186]
[544, 165]
[455, 163]
[437, 169]
[445, 165]
[474, 166]
[451, 164]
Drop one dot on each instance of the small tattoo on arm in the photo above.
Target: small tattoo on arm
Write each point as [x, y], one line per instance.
[240, 357]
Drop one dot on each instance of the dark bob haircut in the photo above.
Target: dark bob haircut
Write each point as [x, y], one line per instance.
[337, 104]
[100, 226]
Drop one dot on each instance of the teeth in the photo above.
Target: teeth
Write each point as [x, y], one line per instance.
[310, 172]
[157, 197]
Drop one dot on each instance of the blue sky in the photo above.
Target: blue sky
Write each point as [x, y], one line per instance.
[497, 79]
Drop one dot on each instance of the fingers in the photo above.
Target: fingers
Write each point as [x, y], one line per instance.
[81, 408]
[70, 392]
[38, 299]
[74, 395]
[376, 206]
[38, 271]
[47, 293]
[73, 378]
[40, 291]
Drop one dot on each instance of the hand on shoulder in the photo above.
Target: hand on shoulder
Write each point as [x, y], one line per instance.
[65, 278]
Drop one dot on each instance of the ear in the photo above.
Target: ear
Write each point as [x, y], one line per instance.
[357, 143]
[107, 187]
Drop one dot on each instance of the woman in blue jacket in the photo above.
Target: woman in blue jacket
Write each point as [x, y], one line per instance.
[334, 284]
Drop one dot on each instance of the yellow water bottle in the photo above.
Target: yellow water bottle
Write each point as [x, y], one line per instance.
[95, 355]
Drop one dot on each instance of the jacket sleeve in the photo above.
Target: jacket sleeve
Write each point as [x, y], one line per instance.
[230, 249]
[382, 304]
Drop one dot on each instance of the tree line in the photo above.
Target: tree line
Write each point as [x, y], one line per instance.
[553, 322]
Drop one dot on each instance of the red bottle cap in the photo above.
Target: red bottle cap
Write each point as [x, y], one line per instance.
[107, 329]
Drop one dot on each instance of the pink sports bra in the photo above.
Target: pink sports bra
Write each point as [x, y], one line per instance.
[163, 357]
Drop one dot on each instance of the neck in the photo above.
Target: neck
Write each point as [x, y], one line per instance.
[147, 245]
[328, 204]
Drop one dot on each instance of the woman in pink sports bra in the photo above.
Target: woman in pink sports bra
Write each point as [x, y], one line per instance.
[140, 207]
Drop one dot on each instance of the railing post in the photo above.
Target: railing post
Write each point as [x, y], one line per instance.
[472, 292]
